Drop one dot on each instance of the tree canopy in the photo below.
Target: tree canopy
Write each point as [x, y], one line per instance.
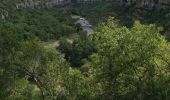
[116, 62]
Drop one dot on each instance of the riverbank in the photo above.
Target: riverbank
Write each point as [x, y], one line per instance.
[84, 24]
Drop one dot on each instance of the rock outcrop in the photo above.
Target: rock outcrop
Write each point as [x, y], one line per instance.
[3, 14]
[41, 3]
[148, 4]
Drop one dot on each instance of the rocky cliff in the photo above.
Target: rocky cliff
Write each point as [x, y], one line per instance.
[41, 3]
[149, 4]
[20, 4]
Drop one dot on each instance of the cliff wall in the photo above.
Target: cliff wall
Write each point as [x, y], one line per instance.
[149, 4]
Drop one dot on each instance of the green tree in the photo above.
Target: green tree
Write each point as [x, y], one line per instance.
[131, 63]
[77, 51]
[28, 71]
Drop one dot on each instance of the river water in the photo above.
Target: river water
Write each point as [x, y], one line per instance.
[84, 23]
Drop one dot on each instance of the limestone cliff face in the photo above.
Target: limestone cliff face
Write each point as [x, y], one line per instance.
[88, 1]
[147, 3]
[50, 3]
[41, 3]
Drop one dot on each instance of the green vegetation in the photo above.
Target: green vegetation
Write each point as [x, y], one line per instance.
[77, 51]
[46, 24]
[121, 60]
[100, 12]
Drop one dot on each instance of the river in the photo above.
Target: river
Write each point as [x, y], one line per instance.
[84, 23]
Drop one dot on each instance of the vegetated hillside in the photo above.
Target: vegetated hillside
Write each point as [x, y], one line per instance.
[122, 60]
[43, 23]
[125, 14]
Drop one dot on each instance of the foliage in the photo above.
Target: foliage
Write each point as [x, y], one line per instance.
[131, 63]
[114, 63]
[126, 15]
[77, 51]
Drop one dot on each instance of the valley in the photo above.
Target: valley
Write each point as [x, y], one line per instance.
[84, 50]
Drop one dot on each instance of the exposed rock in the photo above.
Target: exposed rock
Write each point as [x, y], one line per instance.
[3, 14]
[148, 4]
[41, 4]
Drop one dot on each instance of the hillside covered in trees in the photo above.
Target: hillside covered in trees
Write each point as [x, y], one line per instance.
[84, 50]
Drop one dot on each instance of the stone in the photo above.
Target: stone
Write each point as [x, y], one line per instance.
[149, 4]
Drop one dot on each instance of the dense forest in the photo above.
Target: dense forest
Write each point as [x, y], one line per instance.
[47, 54]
